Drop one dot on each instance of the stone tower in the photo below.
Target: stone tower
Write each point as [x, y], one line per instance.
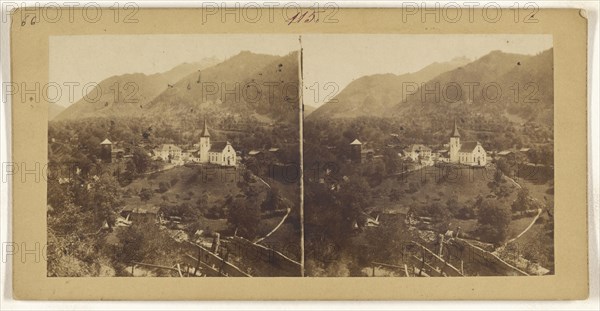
[106, 151]
[356, 151]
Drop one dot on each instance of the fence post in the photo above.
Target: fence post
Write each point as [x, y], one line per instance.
[197, 262]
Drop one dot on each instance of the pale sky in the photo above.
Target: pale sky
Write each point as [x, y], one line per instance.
[333, 58]
[340, 59]
[93, 58]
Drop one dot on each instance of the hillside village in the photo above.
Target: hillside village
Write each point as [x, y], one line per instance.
[470, 153]
[191, 196]
[189, 183]
[433, 188]
[182, 184]
[434, 196]
[220, 153]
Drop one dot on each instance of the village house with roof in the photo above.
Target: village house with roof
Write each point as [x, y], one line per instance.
[469, 153]
[208, 152]
[168, 152]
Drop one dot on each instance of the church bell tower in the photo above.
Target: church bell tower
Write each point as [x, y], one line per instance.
[204, 143]
[454, 144]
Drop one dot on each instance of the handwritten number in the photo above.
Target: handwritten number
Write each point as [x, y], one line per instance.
[32, 21]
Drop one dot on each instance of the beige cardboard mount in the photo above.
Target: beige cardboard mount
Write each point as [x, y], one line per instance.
[30, 64]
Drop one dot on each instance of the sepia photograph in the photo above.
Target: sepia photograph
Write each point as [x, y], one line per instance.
[180, 157]
[280, 153]
[429, 155]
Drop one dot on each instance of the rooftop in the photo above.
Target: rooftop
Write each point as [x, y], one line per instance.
[418, 148]
[169, 147]
[218, 146]
[141, 209]
[468, 146]
[205, 132]
[455, 131]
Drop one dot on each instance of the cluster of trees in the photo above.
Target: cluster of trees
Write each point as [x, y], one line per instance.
[274, 201]
[499, 185]
[541, 154]
[186, 211]
[77, 211]
[145, 242]
[525, 202]
[244, 217]
[493, 220]
[333, 211]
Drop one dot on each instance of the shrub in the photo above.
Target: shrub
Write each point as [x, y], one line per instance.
[493, 221]
[145, 194]
[163, 187]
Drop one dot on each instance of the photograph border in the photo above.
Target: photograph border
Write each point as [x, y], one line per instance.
[29, 51]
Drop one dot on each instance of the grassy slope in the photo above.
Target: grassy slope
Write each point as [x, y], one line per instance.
[465, 188]
[465, 185]
[218, 184]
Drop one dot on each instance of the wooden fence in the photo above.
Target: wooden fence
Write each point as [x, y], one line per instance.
[265, 261]
[480, 261]
[211, 264]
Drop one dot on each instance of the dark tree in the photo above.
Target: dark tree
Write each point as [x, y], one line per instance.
[493, 220]
[146, 194]
[244, 217]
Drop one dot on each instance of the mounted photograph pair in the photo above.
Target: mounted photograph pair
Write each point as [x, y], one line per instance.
[299, 154]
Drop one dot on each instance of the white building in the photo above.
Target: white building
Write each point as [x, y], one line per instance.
[222, 153]
[468, 152]
[418, 152]
[219, 153]
[168, 152]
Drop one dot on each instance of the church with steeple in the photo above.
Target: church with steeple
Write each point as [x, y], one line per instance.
[467, 152]
[218, 152]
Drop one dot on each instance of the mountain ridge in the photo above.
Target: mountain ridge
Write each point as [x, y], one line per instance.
[123, 94]
[524, 81]
[378, 92]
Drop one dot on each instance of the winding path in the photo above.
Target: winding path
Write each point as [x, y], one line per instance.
[528, 227]
[289, 210]
[263, 181]
[532, 222]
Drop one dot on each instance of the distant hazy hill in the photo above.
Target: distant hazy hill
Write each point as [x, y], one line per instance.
[248, 84]
[525, 83]
[125, 94]
[535, 77]
[456, 88]
[375, 95]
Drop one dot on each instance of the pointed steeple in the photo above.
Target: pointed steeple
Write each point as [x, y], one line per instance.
[205, 130]
[455, 131]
